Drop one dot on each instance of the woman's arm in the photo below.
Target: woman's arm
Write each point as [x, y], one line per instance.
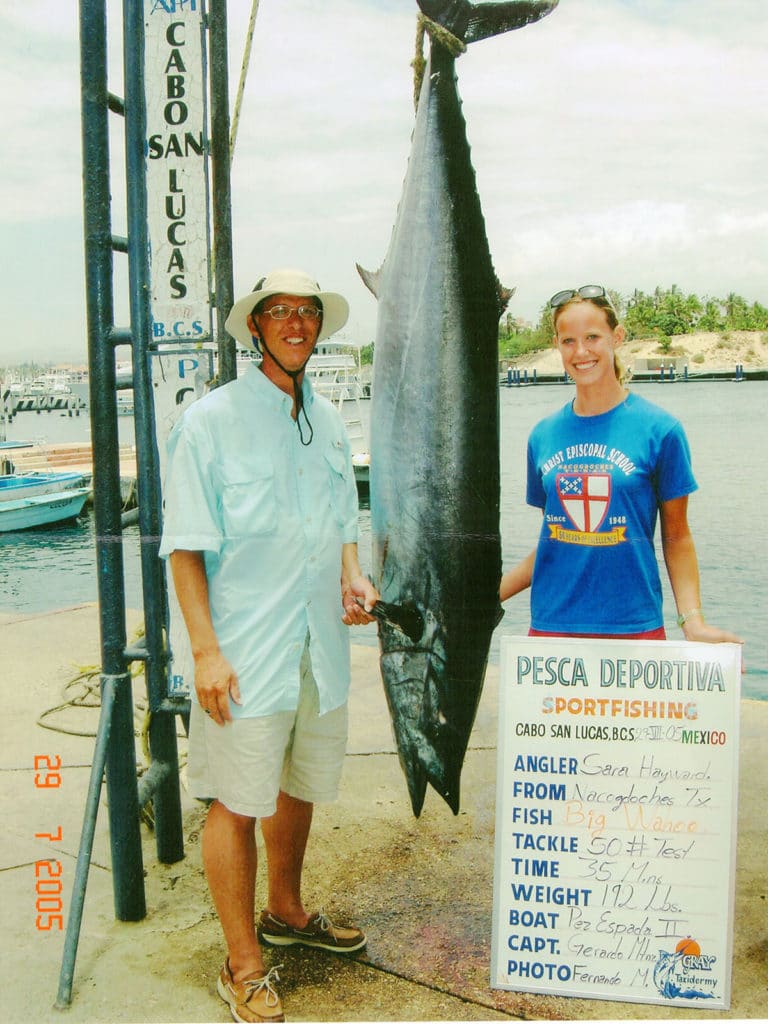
[683, 569]
[518, 578]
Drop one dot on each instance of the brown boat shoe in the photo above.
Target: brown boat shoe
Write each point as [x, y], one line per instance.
[319, 933]
[254, 998]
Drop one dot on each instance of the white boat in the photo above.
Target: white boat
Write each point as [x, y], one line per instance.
[335, 373]
[16, 485]
[46, 393]
[26, 512]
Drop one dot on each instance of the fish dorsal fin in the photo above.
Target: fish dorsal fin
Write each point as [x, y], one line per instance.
[370, 279]
[470, 22]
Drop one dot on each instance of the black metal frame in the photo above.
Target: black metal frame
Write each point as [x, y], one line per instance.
[114, 749]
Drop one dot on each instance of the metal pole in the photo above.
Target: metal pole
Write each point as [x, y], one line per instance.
[162, 734]
[222, 194]
[125, 836]
[72, 938]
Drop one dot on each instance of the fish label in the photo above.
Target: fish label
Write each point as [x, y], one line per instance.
[616, 820]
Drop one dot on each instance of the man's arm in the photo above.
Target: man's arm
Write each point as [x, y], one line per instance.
[354, 585]
[215, 679]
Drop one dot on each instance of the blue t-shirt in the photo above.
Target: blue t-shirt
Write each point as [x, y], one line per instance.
[599, 481]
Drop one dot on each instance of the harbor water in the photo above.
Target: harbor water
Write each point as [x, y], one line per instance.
[45, 570]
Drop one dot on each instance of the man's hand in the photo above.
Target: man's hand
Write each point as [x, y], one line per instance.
[215, 683]
[355, 613]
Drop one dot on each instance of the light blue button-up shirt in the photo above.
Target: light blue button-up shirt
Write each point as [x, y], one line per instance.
[270, 516]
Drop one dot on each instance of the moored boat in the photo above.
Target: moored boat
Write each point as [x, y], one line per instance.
[37, 498]
[28, 511]
[335, 373]
[24, 485]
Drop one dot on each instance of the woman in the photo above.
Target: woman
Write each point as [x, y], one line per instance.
[603, 469]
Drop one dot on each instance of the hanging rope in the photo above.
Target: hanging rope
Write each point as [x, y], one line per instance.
[441, 35]
[243, 76]
[418, 63]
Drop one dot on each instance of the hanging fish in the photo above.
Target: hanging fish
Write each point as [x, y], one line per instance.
[435, 479]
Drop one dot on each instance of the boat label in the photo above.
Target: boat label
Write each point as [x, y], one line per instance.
[616, 820]
[177, 170]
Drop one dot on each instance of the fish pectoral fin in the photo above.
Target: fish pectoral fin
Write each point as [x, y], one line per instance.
[370, 278]
[406, 617]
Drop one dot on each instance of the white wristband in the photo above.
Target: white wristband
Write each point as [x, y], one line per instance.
[682, 619]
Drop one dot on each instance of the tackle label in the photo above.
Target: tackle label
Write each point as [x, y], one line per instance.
[616, 820]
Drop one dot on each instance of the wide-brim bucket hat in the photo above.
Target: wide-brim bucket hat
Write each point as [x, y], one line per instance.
[286, 282]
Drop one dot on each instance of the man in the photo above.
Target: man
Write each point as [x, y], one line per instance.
[261, 533]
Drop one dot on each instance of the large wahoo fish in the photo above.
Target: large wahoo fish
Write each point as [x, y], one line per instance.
[434, 424]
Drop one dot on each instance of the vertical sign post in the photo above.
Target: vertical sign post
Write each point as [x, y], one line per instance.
[179, 378]
[177, 170]
[616, 820]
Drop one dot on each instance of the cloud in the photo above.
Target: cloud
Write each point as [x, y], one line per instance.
[616, 140]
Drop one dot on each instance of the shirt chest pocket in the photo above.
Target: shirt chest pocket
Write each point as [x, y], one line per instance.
[337, 469]
[248, 499]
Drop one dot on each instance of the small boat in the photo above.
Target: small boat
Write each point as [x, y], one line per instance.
[18, 485]
[37, 498]
[27, 511]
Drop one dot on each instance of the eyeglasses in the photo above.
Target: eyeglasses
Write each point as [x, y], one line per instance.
[587, 291]
[307, 312]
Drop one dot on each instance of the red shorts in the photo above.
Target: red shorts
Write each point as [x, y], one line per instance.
[649, 634]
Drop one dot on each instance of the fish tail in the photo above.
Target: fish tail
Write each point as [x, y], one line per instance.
[445, 779]
[470, 22]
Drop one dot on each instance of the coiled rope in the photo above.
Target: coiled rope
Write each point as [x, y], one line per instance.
[446, 39]
[84, 691]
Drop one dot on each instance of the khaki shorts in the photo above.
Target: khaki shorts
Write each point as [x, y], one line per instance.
[244, 763]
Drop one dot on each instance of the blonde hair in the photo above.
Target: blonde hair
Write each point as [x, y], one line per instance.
[602, 302]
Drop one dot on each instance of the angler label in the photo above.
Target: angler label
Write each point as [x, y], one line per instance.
[616, 820]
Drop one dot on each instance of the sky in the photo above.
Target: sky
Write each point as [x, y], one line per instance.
[620, 142]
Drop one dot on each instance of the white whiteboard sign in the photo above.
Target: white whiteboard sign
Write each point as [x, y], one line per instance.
[616, 820]
[177, 170]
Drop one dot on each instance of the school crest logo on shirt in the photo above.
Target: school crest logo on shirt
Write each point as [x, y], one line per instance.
[585, 498]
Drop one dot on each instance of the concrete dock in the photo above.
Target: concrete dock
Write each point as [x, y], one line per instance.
[69, 456]
[422, 888]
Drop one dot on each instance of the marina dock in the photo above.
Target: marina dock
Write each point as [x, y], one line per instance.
[516, 377]
[74, 456]
[422, 888]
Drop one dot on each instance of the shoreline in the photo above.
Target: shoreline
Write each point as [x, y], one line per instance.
[704, 352]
